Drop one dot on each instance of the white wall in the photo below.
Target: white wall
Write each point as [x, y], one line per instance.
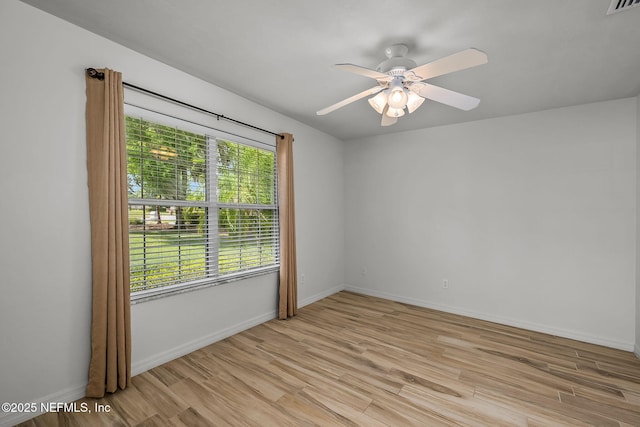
[637, 342]
[531, 219]
[45, 246]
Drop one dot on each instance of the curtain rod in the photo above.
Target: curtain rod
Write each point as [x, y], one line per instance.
[93, 73]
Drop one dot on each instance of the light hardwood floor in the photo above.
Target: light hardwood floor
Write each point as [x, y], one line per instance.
[357, 360]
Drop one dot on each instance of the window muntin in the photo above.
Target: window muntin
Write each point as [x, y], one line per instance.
[202, 208]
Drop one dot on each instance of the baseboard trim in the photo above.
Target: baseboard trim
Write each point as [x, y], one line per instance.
[67, 395]
[564, 333]
[321, 295]
[191, 346]
[179, 351]
[636, 350]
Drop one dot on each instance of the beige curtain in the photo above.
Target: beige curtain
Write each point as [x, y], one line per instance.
[288, 297]
[110, 366]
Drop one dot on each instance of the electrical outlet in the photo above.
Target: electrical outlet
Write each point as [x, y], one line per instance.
[363, 271]
[445, 283]
[302, 278]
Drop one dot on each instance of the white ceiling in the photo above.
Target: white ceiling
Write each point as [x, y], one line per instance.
[278, 53]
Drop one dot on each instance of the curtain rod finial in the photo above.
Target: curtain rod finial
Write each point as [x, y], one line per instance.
[95, 74]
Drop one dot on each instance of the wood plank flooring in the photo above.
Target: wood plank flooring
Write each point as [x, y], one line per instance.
[357, 360]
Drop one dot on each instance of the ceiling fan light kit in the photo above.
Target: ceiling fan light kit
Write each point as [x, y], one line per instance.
[395, 112]
[414, 102]
[397, 94]
[400, 83]
[378, 102]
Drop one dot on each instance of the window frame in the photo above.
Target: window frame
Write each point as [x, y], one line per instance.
[211, 205]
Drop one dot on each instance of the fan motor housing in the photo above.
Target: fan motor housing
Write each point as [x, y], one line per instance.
[396, 62]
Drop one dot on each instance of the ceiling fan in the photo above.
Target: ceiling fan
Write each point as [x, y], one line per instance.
[401, 83]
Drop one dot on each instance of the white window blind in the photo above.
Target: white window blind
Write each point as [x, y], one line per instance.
[202, 208]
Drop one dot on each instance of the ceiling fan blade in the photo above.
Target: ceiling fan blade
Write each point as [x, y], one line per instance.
[349, 100]
[386, 120]
[456, 62]
[363, 71]
[445, 96]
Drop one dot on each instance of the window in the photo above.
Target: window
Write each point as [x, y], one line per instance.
[202, 208]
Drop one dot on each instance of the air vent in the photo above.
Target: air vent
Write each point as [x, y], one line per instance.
[622, 5]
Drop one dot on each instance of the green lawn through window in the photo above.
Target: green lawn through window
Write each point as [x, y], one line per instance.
[171, 256]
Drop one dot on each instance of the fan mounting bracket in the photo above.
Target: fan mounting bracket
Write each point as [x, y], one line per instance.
[396, 62]
[396, 50]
